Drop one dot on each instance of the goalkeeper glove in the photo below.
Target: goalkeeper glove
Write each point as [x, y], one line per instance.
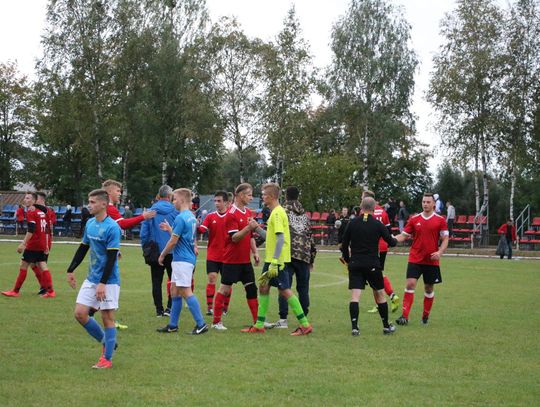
[263, 279]
[273, 269]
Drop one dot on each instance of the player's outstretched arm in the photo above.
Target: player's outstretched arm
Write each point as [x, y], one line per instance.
[78, 257]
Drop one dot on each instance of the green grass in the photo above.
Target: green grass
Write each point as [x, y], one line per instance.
[480, 348]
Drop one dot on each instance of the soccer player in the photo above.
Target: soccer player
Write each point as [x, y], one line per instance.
[101, 288]
[114, 189]
[33, 247]
[214, 224]
[303, 252]
[182, 243]
[45, 280]
[380, 214]
[239, 245]
[278, 253]
[426, 229]
[362, 237]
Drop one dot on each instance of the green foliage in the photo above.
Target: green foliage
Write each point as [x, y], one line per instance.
[16, 123]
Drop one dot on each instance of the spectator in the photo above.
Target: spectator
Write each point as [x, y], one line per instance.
[403, 215]
[391, 210]
[508, 236]
[265, 213]
[450, 217]
[128, 213]
[439, 204]
[85, 215]
[343, 222]
[67, 220]
[330, 224]
[150, 231]
[19, 217]
[195, 202]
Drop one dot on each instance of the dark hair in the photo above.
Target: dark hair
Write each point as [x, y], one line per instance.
[101, 194]
[222, 194]
[292, 193]
[34, 195]
[41, 194]
[429, 195]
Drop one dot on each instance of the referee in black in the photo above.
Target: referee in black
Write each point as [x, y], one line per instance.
[360, 250]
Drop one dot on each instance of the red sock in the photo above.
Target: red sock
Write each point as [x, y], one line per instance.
[253, 304]
[47, 280]
[428, 303]
[408, 300]
[20, 279]
[227, 302]
[210, 292]
[169, 288]
[388, 286]
[218, 307]
[39, 276]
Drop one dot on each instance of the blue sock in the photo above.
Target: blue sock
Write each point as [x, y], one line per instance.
[110, 342]
[175, 311]
[94, 329]
[195, 310]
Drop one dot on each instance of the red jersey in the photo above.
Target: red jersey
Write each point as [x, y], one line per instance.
[39, 241]
[214, 224]
[123, 223]
[51, 221]
[426, 233]
[20, 214]
[380, 214]
[240, 252]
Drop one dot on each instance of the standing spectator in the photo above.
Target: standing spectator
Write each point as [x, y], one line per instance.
[403, 215]
[391, 210]
[343, 222]
[450, 217]
[439, 204]
[150, 231]
[195, 202]
[19, 216]
[303, 252]
[128, 213]
[507, 231]
[331, 225]
[85, 215]
[67, 220]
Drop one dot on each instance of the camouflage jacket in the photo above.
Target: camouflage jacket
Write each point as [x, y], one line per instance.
[302, 245]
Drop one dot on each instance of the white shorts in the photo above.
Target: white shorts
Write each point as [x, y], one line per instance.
[182, 273]
[87, 296]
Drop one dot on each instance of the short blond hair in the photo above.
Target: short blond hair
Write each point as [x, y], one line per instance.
[111, 182]
[183, 193]
[273, 189]
[368, 193]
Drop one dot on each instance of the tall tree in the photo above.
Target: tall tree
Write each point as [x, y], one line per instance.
[290, 83]
[465, 86]
[16, 121]
[371, 79]
[522, 79]
[235, 65]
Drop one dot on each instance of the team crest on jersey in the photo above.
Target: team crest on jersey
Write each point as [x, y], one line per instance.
[214, 221]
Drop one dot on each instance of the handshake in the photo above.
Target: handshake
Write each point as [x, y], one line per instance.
[273, 271]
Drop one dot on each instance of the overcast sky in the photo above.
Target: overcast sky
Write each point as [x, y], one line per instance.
[21, 24]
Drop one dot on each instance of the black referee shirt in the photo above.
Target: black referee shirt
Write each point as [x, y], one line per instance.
[362, 235]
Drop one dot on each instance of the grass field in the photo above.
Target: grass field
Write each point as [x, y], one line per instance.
[481, 346]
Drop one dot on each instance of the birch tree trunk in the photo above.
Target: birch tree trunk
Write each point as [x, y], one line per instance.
[164, 168]
[476, 186]
[125, 176]
[512, 191]
[365, 151]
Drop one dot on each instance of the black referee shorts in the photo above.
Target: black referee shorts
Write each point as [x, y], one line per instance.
[359, 275]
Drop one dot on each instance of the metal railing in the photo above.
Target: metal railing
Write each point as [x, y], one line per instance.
[523, 220]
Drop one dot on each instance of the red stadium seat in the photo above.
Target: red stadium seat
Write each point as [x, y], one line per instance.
[461, 220]
[536, 221]
[470, 219]
[324, 216]
[308, 214]
[315, 216]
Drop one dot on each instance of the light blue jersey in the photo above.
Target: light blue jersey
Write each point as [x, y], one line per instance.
[102, 236]
[184, 227]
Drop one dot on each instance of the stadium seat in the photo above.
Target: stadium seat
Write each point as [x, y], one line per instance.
[315, 217]
[324, 216]
[308, 214]
[138, 212]
[536, 221]
[470, 219]
[461, 220]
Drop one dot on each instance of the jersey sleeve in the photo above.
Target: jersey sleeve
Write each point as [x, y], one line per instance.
[113, 241]
[443, 228]
[31, 217]
[85, 239]
[178, 226]
[206, 223]
[409, 227]
[279, 222]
